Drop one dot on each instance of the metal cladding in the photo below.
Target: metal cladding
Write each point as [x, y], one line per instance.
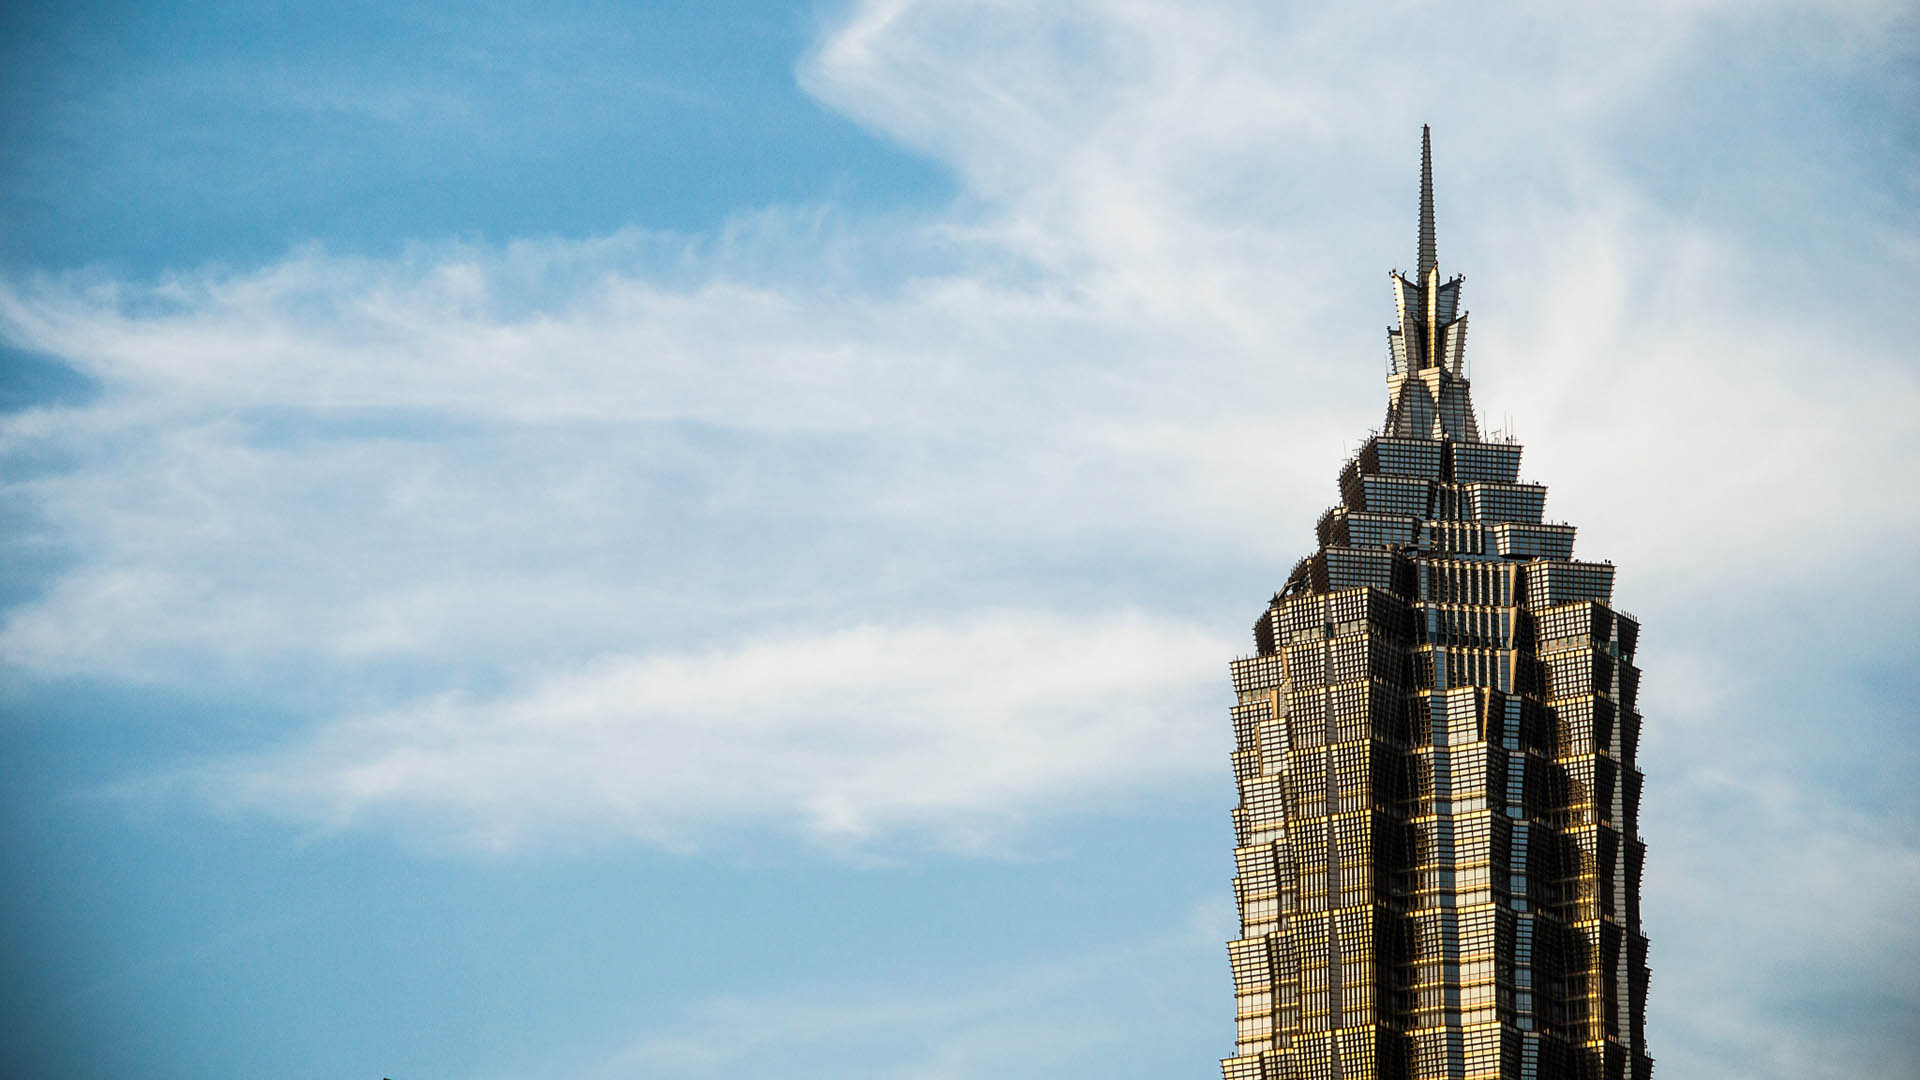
[1437, 848]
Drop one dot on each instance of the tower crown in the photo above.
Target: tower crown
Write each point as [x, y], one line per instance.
[1426, 351]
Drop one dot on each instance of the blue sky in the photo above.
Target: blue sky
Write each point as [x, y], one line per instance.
[643, 540]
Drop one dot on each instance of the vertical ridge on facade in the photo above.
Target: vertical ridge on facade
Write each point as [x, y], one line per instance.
[1437, 850]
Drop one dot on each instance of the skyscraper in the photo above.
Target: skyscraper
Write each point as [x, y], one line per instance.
[1437, 854]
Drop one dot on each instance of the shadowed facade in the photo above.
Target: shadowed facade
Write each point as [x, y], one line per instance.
[1437, 849]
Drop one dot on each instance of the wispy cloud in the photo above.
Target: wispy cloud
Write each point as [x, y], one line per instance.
[876, 530]
[949, 730]
[870, 530]
[1065, 1014]
[1775, 953]
[460, 474]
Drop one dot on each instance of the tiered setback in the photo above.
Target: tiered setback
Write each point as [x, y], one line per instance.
[1437, 847]
[1437, 853]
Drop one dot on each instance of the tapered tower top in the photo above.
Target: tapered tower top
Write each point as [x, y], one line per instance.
[1426, 351]
[1429, 257]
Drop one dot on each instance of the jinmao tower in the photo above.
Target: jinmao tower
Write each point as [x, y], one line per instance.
[1437, 853]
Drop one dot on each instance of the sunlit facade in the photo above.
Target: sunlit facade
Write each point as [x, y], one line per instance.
[1437, 848]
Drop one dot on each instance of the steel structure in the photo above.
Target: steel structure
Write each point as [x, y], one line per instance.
[1437, 846]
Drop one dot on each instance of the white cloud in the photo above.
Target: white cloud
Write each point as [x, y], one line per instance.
[615, 536]
[1774, 951]
[950, 730]
[1140, 336]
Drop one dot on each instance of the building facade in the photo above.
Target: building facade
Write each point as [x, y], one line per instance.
[1437, 853]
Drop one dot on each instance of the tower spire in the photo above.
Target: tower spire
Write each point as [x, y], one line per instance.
[1428, 254]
